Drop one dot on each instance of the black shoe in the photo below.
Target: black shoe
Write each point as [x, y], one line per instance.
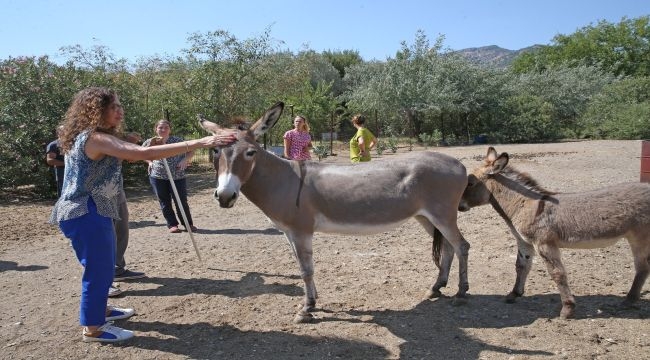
[128, 275]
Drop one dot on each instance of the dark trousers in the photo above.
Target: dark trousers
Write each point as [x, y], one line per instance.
[165, 194]
[121, 234]
[59, 172]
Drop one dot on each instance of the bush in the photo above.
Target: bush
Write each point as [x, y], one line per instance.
[380, 148]
[430, 140]
[392, 144]
[321, 151]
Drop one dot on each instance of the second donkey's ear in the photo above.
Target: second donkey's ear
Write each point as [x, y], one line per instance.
[491, 155]
[499, 164]
[268, 120]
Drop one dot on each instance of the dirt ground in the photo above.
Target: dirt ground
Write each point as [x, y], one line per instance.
[240, 301]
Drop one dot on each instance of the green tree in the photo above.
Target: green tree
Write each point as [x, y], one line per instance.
[621, 49]
[530, 120]
[620, 111]
[317, 104]
[34, 95]
[567, 90]
[404, 88]
[341, 60]
[224, 73]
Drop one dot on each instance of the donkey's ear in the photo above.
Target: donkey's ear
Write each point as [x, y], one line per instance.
[499, 164]
[268, 120]
[491, 155]
[207, 125]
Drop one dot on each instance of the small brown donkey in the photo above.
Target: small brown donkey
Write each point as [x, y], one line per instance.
[546, 221]
[303, 197]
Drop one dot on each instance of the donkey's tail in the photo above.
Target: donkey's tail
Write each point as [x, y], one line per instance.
[437, 244]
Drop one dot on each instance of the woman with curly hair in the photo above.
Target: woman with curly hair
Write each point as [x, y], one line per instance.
[89, 199]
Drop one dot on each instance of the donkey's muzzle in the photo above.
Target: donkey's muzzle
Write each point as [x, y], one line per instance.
[226, 200]
[463, 206]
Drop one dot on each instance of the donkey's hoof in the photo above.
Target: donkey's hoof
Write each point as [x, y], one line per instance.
[629, 304]
[511, 298]
[303, 318]
[431, 294]
[566, 313]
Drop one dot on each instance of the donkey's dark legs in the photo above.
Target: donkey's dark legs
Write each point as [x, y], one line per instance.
[446, 259]
[446, 253]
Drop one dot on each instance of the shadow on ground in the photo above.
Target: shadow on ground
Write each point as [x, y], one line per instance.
[251, 284]
[13, 266]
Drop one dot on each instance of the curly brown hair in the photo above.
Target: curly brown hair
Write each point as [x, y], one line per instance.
[359, 119]
[86, 112]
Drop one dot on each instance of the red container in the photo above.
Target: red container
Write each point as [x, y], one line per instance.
[645, 161]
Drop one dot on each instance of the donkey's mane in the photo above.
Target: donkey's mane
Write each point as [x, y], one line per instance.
[240, 123]
[526, 180]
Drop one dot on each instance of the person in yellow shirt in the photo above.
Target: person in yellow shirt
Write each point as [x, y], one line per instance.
[362, 142]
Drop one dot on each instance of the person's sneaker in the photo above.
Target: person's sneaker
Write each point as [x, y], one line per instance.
[114, 291]
[116, 313]
[128, 275]
[174, 229]
[107, 333]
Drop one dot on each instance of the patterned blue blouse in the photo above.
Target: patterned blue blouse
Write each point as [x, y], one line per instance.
[158, 169]
[100, 180]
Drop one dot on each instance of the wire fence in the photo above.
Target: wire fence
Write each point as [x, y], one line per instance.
[202, 157]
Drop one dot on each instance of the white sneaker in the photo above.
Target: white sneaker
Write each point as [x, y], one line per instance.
[116, 313]
[114, 291]
[109, 334]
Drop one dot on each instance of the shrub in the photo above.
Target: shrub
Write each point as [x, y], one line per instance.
[392, 144]
[321, 151]
[380, 148]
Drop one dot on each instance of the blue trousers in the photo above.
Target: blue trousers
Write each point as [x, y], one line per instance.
[163, 190]
[93, 240]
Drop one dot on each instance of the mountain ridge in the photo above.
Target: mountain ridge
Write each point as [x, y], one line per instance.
[493, 55]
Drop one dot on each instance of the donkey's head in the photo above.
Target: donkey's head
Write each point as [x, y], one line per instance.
[476, 193]
[234, 164]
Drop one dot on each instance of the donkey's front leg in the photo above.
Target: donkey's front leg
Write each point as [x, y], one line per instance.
[525, 254]
[303, 251]
[551, 255]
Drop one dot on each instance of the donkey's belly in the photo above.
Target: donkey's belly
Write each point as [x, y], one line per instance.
[350, 227]
[589, 243]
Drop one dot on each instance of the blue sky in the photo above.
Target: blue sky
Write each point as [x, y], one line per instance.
[375, 28]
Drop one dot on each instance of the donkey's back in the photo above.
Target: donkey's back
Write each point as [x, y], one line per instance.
[601, 217]
[388, 190]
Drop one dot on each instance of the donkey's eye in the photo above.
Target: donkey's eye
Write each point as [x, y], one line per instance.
[216, 151]
[471, 180]
[250, 153]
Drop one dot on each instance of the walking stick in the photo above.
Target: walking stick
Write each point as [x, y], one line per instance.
[180, 207]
